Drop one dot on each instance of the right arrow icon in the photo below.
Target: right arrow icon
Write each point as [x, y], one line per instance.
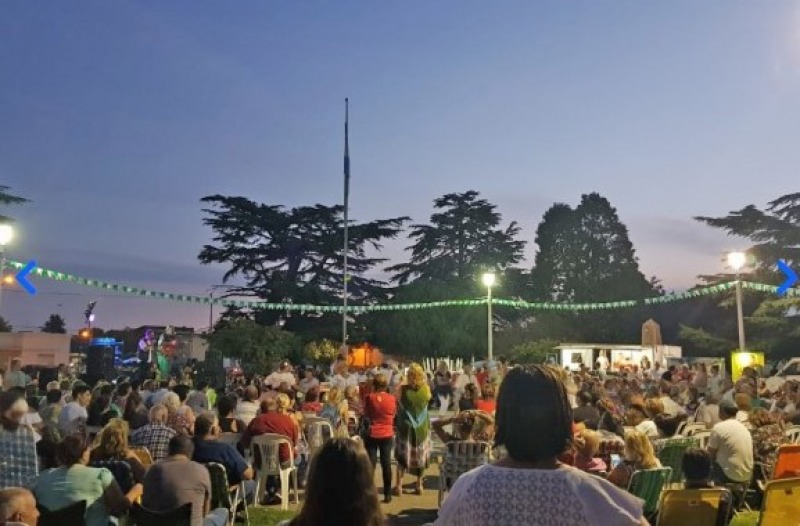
[791, 277]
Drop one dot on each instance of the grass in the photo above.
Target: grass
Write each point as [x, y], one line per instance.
[268, 516]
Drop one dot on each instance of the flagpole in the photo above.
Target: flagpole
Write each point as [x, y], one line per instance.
[345, 277]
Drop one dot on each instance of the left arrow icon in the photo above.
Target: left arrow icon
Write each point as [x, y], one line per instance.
[22, 277]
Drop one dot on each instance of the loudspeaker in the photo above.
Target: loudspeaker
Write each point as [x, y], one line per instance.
[100, 364]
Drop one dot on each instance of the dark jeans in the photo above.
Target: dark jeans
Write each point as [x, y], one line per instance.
[384, 445]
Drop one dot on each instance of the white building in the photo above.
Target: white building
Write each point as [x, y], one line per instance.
[34, 348]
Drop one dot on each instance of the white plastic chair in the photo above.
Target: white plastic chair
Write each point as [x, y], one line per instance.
[460, 457]
[230, 438]
[265, 449]
[317, 432]
[793, 435]
[702, 438]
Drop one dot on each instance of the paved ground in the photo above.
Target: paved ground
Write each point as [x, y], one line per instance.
[410, 509]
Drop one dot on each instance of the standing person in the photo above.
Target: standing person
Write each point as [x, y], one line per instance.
[442, 388]
[147, 353]
[18, 507]
[465, 378]
[380, 408]
[16, 377]
[483, 376]
[413, 447]
[530, 486]
[700, 379]
[715, 382]
[340, 490]
[602, 365]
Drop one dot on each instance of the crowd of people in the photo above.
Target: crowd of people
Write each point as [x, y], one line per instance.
[550, 429]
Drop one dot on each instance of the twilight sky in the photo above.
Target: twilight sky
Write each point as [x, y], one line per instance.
[116, 117]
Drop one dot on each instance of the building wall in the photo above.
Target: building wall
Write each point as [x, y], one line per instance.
[34, 348]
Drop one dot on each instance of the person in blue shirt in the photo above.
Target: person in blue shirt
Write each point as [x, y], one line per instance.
[207, 448]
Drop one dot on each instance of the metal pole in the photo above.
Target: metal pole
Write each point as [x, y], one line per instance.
[210, 311]
[345, 277]
[739, 314]
[489, 321]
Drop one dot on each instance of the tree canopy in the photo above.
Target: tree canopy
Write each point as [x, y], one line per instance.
[55, 324]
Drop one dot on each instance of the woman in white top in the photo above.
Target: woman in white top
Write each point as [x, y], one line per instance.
[531, 486]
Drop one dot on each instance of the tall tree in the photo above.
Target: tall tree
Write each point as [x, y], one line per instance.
[772, 323]
[294, 254]
[5, 326]
[585, 256]
[55, 324]
[463, 238]
[6, 198]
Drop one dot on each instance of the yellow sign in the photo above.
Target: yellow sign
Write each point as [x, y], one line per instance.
[740, 360]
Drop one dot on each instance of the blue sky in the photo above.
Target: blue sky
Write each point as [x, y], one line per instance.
[116, 117]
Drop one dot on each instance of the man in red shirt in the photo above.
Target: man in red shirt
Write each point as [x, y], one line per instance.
[274, 418]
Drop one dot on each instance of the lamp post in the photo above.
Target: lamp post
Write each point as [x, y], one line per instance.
[488, 280]
[6, 235]
[737, 260]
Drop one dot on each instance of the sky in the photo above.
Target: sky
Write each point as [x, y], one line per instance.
[116, 117]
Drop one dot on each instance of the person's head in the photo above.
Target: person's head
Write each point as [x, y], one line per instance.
[467, 368]
[471, 392]
[205, 426]
[312, 395]
[379, 383]
[584, 398]
[107, 390]
[72, 450]
[123, 389]
[112, 441]
[743, 402]
[351, 392]
[761, 417]
[18, 505]
[202, 386]
[158, 414]
[488, 392]
[335, 395]
[441, 366]
[82, 395]
[588, 443]
[696, 464]
[54, 396]
[226, 405]
[531, 399]
[282, 403]
[727, 409]
[285, 366]
[639, 450]
[636, 414]
[180, 445]
[13, 408]
[340, 489]
[715, 369]
[132, 403]
[308, 373]
[16, 365]
[172, 402]
[653, 407]
[250, 393]
[268, 405]
[416, 376]
[182, 391]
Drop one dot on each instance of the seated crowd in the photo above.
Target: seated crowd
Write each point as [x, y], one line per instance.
[576, 438]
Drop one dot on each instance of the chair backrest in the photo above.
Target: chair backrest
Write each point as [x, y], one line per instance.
[317, 432]
[702, 439]
[181, 516]
[121, 470]
[143, 454]
[671, 455]
[462, 456]
[230, 438]
[647, 485]
[793, 434]
[266, 452]
[781, 504]
[694, 506]
[693, 428]
[787, 462]
[220, 489]
[72, 515]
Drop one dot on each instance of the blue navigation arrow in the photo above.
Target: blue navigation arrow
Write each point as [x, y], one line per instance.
[22, 277]
[791, 277]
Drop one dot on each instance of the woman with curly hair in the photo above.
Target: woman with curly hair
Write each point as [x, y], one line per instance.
[112, 444]
[413, 447]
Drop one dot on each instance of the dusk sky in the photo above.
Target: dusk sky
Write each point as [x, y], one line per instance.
[116, 117]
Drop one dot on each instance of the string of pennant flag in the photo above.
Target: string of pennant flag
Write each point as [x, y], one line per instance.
[359, 309]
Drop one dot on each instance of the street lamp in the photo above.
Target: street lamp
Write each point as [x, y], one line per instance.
[737, 260]
[488, 280]
[6, 235]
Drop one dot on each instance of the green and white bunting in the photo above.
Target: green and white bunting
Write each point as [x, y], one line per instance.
[360, 309]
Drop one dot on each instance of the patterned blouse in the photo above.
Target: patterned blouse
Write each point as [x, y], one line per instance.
[766, 441]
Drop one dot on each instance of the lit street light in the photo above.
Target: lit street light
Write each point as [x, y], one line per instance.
[6, 235]
[488, 281]
[736, 261]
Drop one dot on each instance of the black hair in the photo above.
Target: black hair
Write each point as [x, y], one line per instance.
[225, 405]
[54, 396]
[33, 402]
[533, 399]
[182, 391]
[70, 450]
[728, 411]
[202, 384]
[203, 425]
[696, 464]
[181, 445]
[79, 390]
[108, 390]
[585, 397]
[123, 389]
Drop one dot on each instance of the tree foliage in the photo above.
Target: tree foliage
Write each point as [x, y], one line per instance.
[5, 326]
[258, 347]
[294, 254]
[463, 239]
[55, 324]
[533, 352]
[7, 198]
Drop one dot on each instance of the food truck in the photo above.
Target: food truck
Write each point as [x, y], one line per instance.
[619, 356]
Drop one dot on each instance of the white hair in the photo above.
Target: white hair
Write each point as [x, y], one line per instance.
[20, 406]
[171, 401]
